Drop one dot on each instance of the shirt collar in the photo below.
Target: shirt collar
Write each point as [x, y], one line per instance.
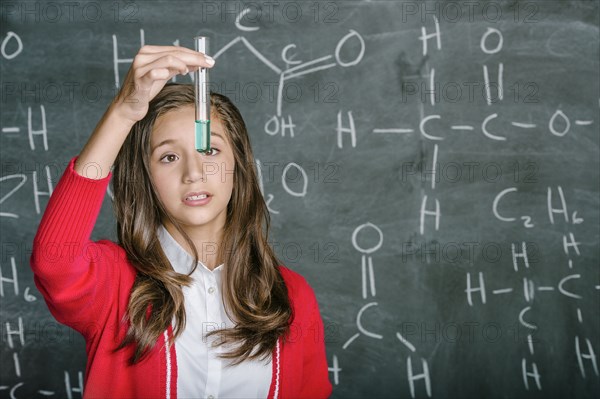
[179, 258]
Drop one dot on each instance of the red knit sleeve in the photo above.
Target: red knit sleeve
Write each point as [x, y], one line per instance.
[72, 272]
[316, 373]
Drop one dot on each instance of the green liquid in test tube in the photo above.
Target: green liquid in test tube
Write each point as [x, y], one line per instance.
[203, 136]
[202, 97]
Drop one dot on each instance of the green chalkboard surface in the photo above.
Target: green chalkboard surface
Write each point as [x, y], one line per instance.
[431, 168]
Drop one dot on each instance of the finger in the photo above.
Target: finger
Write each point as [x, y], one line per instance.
[157, 74]
[190, 57]
[161, 49]
[168, 62]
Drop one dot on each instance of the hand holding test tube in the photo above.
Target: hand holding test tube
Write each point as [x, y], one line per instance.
[202, 95]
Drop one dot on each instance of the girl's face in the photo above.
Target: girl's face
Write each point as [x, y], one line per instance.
[194, 187]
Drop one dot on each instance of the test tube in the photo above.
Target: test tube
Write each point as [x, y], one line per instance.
[202, 99]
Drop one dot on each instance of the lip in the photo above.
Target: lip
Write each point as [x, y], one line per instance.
[199, 202]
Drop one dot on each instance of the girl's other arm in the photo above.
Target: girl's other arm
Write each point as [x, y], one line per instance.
[316, 382]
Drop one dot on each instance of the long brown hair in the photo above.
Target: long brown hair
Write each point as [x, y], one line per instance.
[254, 293]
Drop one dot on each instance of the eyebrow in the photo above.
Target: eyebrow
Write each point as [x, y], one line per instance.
[172, 141]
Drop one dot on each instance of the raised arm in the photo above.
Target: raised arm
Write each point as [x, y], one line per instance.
[152, 67]
[74, 274]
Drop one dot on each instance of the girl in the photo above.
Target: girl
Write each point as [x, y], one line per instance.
[191, 302]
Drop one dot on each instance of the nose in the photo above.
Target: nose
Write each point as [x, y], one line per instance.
[194, 168]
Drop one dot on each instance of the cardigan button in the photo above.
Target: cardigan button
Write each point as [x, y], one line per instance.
[210, 291]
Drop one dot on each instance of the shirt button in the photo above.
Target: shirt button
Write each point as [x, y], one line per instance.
[210, 396]
[210, 291]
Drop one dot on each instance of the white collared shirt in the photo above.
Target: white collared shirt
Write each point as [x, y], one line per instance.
[200, 373]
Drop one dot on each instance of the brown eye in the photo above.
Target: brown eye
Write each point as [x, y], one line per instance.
[212, 151]
[169, 158]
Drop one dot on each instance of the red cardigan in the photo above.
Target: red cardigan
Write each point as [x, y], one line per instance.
[86, 286]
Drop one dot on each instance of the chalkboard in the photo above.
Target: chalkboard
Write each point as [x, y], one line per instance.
[431, 168]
